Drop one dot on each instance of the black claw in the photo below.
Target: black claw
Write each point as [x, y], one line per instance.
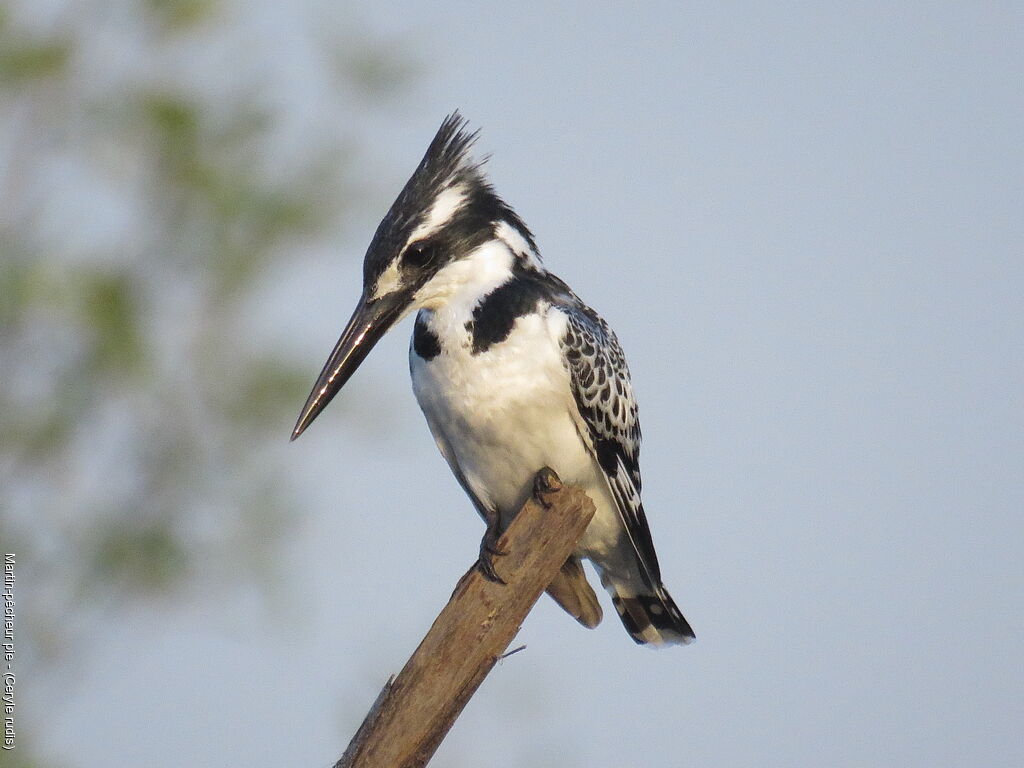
[486, 566]
[544, 482]
[492, 548]
[489, 549]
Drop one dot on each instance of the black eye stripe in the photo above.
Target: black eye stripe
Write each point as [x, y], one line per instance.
[421, 254]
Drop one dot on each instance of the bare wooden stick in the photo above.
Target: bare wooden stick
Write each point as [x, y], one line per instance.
[414, 711]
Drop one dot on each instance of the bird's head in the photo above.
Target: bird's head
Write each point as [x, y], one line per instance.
[428, 247]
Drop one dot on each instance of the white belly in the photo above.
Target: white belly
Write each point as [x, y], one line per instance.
[501, 415]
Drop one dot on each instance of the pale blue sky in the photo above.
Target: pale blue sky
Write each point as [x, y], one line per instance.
[806, 223]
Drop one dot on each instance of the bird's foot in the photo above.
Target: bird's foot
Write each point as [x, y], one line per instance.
[489, 549]
[545, 482]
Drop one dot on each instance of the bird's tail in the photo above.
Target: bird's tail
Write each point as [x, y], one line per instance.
[650, 615]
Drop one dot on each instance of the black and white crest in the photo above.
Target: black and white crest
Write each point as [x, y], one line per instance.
[447, 200]
[446, 164]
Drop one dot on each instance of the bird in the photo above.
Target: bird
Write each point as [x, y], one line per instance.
[514, 373]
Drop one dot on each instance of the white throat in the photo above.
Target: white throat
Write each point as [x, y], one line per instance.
[462, 283]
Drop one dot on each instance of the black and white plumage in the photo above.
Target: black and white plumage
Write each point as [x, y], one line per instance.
[513, 373]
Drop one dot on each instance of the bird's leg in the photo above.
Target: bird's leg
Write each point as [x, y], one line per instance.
[489, 548]
[545, 482]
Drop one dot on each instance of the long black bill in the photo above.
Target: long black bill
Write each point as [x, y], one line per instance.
[369, 322]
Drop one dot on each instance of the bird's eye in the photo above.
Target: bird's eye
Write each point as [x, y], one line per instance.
[420, 254]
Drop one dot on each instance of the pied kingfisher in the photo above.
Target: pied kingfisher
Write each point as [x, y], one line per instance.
[513, 373]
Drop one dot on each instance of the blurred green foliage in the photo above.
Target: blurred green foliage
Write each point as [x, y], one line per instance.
[19, 63]
[141, 221]
[148, 557]
[180, 14]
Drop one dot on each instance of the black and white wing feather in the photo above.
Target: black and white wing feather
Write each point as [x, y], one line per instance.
[604, 397]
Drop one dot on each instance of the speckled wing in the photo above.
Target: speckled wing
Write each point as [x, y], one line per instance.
[604, 397]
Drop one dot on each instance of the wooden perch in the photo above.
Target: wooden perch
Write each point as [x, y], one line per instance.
[415, 710]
